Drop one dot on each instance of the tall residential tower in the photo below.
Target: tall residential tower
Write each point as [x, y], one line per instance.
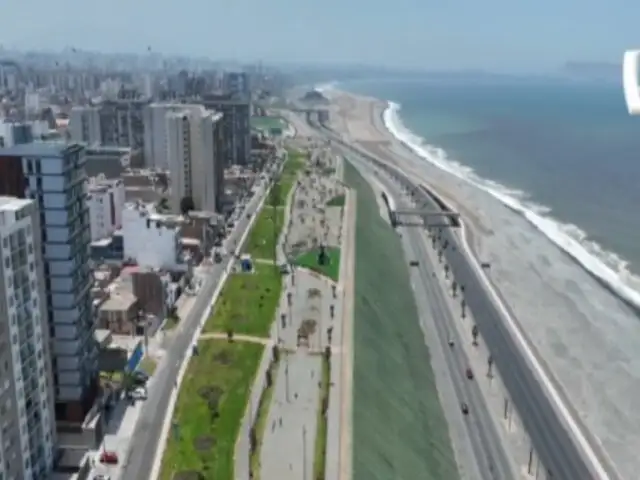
[52, 174]
[27, 433]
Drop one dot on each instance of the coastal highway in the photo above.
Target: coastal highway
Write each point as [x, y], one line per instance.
[491, 460]
[146, 437]
[566, 454]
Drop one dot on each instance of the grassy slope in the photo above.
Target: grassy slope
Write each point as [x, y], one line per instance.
[234, 377]
[400, 431]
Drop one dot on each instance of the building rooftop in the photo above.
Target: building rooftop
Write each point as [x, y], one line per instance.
[118, 301]
[13, 203]
[39, 149]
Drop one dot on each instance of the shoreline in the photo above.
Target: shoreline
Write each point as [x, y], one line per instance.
[475, 223]
[559, 304]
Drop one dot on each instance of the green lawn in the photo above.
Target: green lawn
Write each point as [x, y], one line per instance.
[210, 407]
[248, 302]
[337, 201]
[320, 451]
[267, 123]
[296, 162]
[264, 234]
[310, 260]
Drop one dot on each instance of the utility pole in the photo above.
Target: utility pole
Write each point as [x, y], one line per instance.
[286, 377]
[304, 453]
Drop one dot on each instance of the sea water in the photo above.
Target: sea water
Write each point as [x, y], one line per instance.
[553, 170]
[565, 156]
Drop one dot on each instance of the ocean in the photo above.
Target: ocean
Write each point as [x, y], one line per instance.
[565, 156]
[552, 172]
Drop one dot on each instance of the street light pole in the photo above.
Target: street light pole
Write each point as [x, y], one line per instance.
[304, 453]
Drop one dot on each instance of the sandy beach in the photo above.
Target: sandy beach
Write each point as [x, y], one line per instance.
[586, 336]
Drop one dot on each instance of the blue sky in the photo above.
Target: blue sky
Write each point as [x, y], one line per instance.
[498, 35]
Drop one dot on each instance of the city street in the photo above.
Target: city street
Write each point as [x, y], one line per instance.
[147, 434]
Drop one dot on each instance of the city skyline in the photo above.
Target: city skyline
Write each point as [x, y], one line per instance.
[540, 36]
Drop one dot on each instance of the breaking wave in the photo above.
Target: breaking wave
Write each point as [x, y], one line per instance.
[606, 266]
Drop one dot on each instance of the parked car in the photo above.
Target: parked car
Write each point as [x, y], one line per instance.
[109, 457]
[469, 374]
[414, 263]
[465, 408]
[139, 393]
[101, 477]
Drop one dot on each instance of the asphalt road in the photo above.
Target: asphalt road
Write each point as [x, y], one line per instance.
[146, 438]
[558, 452]
[491, 458]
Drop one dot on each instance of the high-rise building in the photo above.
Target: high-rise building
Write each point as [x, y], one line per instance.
[155, 133]
[236, 116]
[27, 436]
[15, 133]
[84, 124]
[194, 139]
[52, 174]
[114, 123]
[236, 84]
[106, 202]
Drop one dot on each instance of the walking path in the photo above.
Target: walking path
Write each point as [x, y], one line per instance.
[308, 320]
[237, 337]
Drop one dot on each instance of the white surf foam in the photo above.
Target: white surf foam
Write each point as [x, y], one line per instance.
[607, 266]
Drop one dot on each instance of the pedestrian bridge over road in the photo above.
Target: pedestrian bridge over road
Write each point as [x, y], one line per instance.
[424, 217]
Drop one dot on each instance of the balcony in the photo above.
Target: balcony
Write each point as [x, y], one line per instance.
[67, 363]
[66, 347]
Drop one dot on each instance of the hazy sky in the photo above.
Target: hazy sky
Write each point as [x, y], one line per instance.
[493, 34]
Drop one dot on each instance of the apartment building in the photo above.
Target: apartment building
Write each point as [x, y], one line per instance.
[52, 174]
[15, 133]
[151, 240]
[106, 202]
[155, 133]
[194, 141]
[236, 127]
[110, 123]
[27, 418]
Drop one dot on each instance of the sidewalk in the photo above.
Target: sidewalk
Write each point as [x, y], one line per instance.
[120, 429]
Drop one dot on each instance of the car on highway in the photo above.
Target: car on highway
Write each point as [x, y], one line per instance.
[414, 263]
[465, 408]
[469, 374]
[101, 477]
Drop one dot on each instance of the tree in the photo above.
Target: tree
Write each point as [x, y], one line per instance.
[186, 205]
